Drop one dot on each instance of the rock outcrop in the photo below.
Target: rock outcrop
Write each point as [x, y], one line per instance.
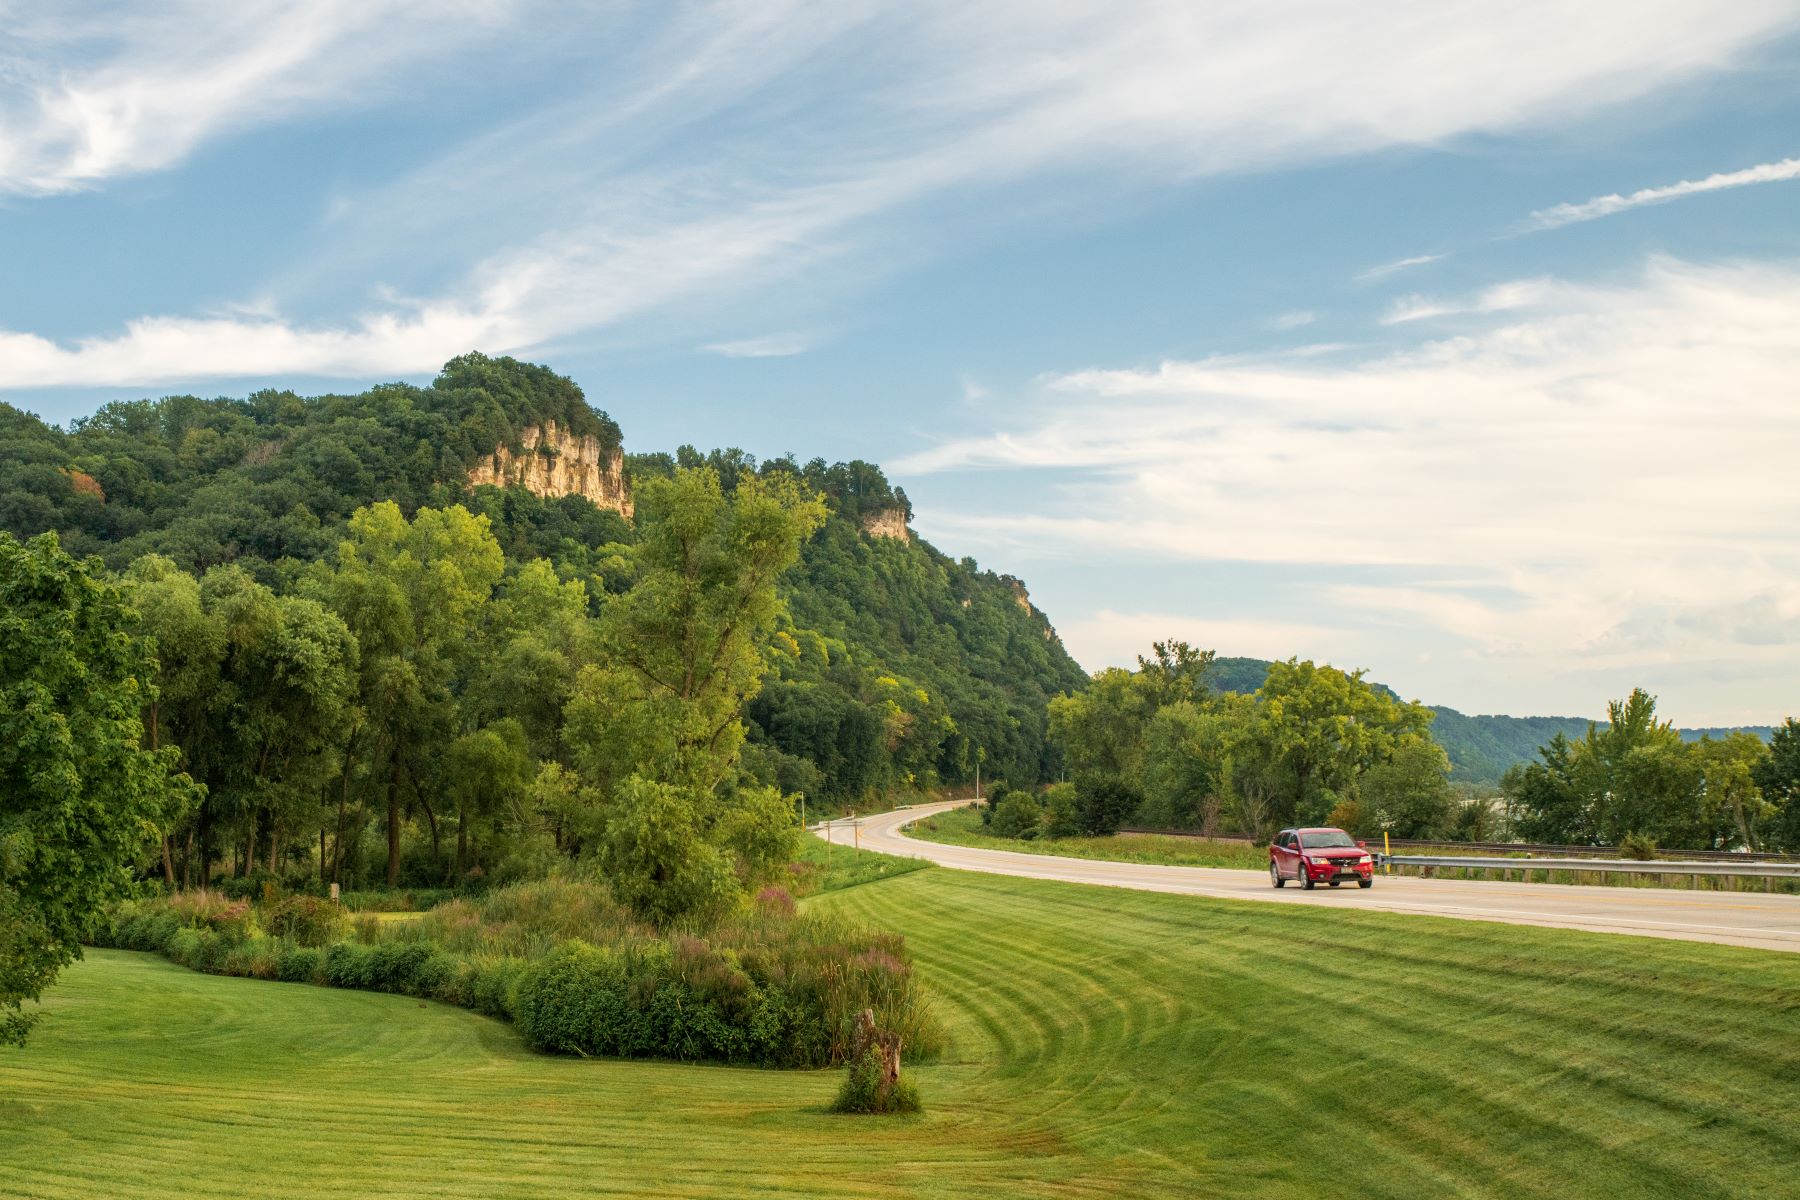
[887, 523]
[555, 462]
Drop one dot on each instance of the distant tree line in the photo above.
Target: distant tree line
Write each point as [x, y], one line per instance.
[1635, 780]
[1162, 746]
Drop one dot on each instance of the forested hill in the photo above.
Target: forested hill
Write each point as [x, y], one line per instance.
[1481, 748]
[898, 664]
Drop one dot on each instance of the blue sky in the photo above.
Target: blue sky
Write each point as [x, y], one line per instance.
[1456, 341]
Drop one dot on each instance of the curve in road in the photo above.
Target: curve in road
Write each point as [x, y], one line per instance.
[1765, 921]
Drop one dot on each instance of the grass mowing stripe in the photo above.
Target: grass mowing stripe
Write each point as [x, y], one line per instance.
[1102, 1043]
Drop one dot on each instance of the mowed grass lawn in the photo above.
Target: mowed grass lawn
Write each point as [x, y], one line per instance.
[1104, 1043]
[963, 827]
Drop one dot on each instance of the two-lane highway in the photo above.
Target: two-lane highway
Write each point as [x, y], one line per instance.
[1769, 922]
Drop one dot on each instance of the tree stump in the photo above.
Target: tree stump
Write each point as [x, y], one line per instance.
[885, 1042]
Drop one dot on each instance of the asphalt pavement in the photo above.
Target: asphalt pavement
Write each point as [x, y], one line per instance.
[1751, 918]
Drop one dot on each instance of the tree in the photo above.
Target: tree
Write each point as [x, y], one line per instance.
[1102, 729]
[410, 592]
[1323, 729]
[658, 726]
[1545, 800]
[1778, 778]
[81, 796]
[1408, 794]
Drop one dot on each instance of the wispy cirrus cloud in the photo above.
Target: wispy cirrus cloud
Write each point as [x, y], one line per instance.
[1541, 490]
[91, 92]
[1397, 266]
[719, 145]
[776, 345]
[1559, 215]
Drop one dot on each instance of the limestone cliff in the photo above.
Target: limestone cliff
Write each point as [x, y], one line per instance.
[887, 523]
[555, 462]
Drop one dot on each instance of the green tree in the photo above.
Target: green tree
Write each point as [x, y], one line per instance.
[1101, 729]
[1777, 777]
[1408, 793]
[1545, 800]
[659, 726]
[1323, 729]
[410, 592]
[81, 796]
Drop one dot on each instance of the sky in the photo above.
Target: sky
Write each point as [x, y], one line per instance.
[1458, 341]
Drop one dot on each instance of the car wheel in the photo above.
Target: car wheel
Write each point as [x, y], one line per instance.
[1275, 876]
[1365, 883]
[1306, 879]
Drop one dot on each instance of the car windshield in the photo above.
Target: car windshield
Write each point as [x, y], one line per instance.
[1326, 841]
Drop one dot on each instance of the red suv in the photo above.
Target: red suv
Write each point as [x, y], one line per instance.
[1315, 856]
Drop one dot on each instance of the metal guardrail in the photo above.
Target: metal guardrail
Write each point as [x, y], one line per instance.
[1760, 870]
[1733, 856]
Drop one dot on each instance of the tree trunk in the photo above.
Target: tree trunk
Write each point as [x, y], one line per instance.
[168, 863]
[393, 826]
[462, 837]
[187, 861]
[337, 839]
[205, 850]
[274, 842]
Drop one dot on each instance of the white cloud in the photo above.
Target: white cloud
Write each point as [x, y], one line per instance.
[778, 345]
[91, 92]
[1542, 492]
[1504, 297]
[1293, 320]
[1394, 268]
[1606, 206]
[721, 144]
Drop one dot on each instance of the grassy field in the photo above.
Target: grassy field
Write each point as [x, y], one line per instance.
[1103, 1043]
[963, 827]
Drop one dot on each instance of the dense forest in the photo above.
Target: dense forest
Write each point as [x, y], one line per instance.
[363, 645]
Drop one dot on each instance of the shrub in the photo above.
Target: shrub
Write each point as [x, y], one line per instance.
[1103, 803]
[1018, 816]
[1061, 819]
[183, 947]
[300, 964]
[866, 1090]
[306, 920]
[493, 987]
[204, 909]
[347, 965]
[1638, 847]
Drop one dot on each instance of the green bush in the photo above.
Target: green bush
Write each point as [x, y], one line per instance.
[1637, 847]
[1018, 816]
[1061, 819]
[493, 987]
[347, 965]
[865, 1091]
[1103, 803]
[300, 964]
[306, 920]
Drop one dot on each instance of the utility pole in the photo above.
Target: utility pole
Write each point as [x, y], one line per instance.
[980, 753]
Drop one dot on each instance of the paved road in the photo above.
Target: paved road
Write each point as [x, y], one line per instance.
[1770, 922]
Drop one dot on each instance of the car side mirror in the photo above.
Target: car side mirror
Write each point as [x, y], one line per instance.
[1361, 845]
